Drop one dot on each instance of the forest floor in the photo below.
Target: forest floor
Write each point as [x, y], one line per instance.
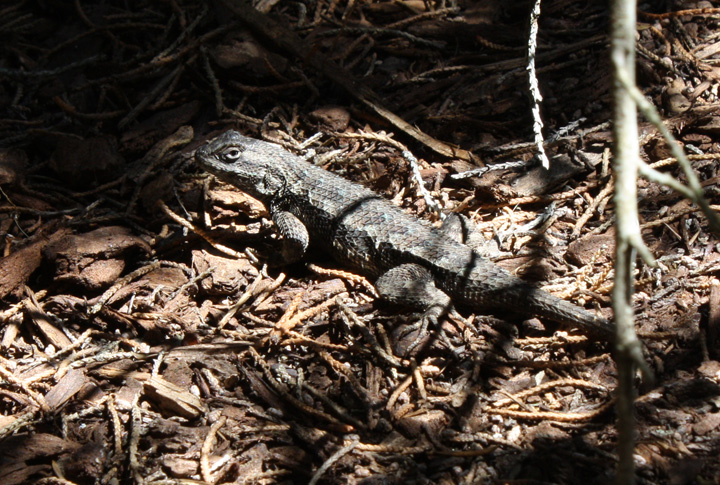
[139, 343]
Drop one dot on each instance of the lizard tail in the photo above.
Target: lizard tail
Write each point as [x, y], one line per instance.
[544, 305]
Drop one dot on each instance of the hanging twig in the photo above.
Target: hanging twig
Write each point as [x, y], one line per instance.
[535, 88]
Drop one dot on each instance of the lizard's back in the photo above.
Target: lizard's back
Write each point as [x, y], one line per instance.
[367, 232]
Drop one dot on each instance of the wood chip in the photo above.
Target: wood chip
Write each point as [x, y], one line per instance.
[174, 398]
[65, 389]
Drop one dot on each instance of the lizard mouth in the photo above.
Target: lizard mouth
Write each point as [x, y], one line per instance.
[201, 154]
[207, 154]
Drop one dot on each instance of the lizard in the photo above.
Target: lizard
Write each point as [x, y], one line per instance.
[414, 263]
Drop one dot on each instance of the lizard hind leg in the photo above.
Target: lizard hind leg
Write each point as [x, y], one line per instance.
[455, 227]
[412, 285]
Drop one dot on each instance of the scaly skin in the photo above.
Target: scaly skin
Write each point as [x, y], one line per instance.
[366, 232]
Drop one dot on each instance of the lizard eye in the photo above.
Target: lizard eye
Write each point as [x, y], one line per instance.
[232, 154]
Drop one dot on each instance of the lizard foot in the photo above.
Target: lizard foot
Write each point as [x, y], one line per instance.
[412, 285]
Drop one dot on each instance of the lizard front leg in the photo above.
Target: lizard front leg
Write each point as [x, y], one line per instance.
[295, 237]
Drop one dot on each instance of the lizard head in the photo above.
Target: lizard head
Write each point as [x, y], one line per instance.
[244, 162]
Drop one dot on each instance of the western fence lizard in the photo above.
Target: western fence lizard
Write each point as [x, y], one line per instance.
[415, 263]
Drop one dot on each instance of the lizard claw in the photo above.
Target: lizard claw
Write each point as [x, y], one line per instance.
[411, 339]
